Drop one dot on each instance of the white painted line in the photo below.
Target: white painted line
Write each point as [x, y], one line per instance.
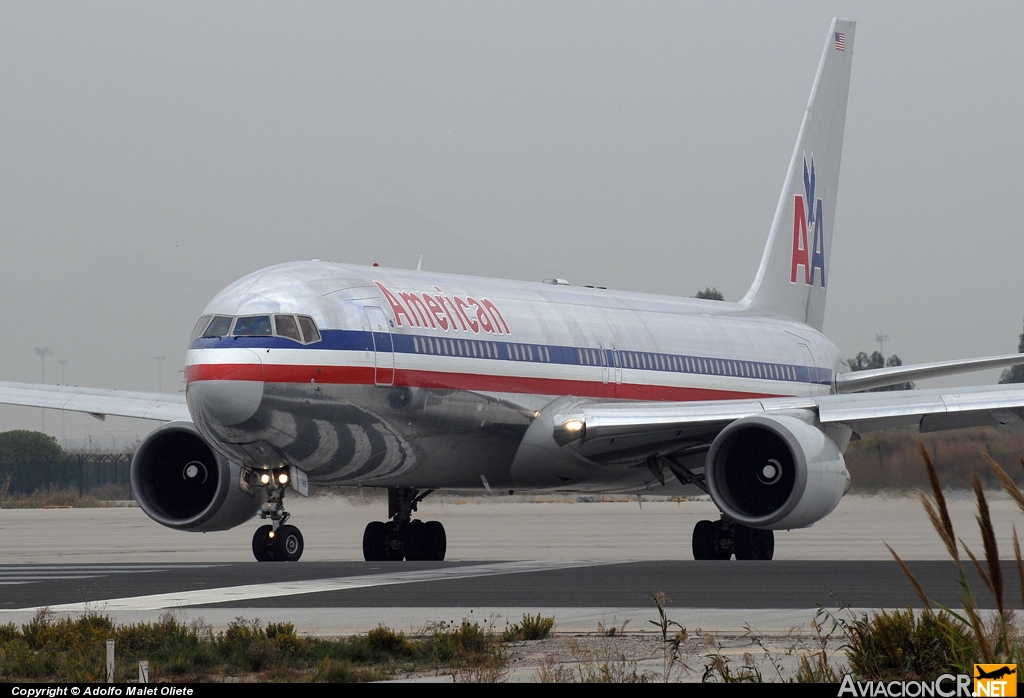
[20, 579]
[102, 568]
[313, 586]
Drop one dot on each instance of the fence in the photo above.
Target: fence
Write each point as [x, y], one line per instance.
[81, 471]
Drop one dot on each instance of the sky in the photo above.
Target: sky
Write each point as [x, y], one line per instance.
[152, 153]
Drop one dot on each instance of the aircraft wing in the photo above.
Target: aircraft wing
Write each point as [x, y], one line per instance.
[98, 402]
[632, 431]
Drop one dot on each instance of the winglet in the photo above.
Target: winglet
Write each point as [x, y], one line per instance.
[793, 277]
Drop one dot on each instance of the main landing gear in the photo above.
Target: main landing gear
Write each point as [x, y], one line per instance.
[401, 537]
[276, 541]
[720, 540]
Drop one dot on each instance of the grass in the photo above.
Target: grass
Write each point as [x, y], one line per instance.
[41, 498]
[530, 628]
[590, 665]
[902, 644]
[889, 461]
[66, 649]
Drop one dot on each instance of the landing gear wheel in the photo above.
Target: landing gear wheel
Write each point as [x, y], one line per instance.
[711, 541]
[287, 544]
[753, 543]
[261, 546]
[704, 541]
[434, 541]
[374, 538]
[414, 542]
[393, 542]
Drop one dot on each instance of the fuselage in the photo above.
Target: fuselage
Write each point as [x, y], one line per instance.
[427, 380]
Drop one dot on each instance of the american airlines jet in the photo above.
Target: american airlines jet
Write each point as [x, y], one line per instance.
[313, 373]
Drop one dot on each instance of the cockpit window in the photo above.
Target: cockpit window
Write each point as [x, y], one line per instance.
[218, 327]
[298, 328]
[253, 326]
[197, 331]
[286, 327]
[309, 331]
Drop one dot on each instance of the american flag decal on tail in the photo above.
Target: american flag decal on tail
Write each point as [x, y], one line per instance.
[840, 41]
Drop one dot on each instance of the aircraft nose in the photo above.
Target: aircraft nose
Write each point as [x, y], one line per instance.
[227, 392]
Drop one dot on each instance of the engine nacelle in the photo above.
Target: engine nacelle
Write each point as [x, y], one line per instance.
[182, 483]
[776, 472]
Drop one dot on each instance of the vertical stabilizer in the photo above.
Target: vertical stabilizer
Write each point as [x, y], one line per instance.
[794, 273]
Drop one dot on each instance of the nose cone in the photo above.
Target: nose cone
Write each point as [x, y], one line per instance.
[225, 389]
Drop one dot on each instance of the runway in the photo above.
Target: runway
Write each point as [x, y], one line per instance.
[115, 561]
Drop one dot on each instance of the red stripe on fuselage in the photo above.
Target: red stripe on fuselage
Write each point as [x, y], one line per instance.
[364, 375]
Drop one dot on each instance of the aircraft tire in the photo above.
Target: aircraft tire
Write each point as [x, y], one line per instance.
[374, 539]
[753, 543]
[261, 548]
[434, 541]
[704, 540]
[393, 543]
[287, 545]
[413, 541]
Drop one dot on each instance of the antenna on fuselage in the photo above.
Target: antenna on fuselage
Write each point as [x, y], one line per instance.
[419, 264]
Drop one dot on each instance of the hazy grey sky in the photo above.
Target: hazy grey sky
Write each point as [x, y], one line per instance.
[152, 153]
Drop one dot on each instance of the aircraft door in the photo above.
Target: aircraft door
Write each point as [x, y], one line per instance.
[383, 348]
[611, 367]
[812, 369]
[821, 376]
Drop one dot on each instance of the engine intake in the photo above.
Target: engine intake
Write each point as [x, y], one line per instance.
[776, 472]
[182, 483]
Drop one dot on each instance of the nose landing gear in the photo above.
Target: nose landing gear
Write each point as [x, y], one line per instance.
[402, 537]
[277, 541]
[284, 544]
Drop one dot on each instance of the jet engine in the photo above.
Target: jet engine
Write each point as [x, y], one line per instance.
[182, 483]
[775, 472]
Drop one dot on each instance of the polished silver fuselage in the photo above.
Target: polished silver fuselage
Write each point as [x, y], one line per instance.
[431, 380]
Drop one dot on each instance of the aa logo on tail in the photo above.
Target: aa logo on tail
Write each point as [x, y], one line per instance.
[808, 222]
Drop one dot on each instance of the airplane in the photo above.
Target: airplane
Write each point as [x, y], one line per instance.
[320, 374]
[999, 673]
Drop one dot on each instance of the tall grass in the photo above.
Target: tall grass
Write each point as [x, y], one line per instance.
[904, 645]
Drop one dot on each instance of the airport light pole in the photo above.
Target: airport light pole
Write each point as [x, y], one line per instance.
[160, 372]
[43, 352]
[881, 339]
[63, 438]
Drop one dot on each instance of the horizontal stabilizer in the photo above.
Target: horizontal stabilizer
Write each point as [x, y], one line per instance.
[859, 381]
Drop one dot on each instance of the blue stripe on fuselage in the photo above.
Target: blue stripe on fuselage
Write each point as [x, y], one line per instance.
[361, 340]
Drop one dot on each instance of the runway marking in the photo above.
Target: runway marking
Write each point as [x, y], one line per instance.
[109, 567]
[25, 574]
[44, 578]
[312, 586]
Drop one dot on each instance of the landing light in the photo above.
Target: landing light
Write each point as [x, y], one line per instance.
[573, 425]
[283, 478]
[265, 479]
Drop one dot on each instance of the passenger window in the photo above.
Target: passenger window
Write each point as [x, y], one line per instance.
[309, 331]
[218, 327]
[286, 327]
[253, 326]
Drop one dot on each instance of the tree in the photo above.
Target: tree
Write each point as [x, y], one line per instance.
[710, 294]
[863, 362]
[28, 445]
[1015, 374]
